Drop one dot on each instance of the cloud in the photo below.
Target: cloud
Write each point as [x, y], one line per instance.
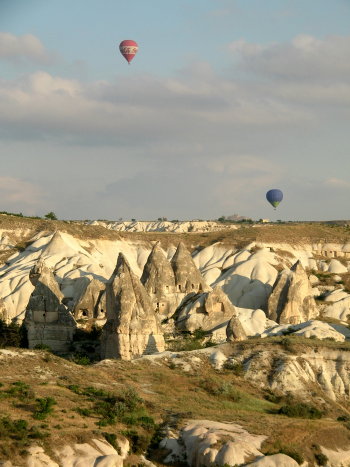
[337, 183]
[19, 195]
[305, 58]
[23, 48]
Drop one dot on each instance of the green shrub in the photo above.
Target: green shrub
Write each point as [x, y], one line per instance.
[45, 407]
[12, 335]
[19, 390]
[300, 410]
[224, 389]
[321, 458]
[19, 431]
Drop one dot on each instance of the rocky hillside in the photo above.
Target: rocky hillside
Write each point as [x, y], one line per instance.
[203, 407]
[279, 294]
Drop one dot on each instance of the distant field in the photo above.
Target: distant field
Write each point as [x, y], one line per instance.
[293, 233]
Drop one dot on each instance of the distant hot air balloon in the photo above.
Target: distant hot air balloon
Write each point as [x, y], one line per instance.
[128, 49]
[274, 197]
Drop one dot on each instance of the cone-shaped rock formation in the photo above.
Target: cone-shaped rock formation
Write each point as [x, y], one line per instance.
[90, 302]
[187, 277]
[291, 300]
[159, 281]
[47, 320]
[132, 328]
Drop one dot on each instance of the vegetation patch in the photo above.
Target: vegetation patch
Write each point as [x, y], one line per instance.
[300, 410]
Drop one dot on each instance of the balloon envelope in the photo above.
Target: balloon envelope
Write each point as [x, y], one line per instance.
[274, 197]
[128, 49]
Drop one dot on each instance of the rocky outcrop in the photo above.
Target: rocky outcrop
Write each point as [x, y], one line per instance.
[301, 374]
[132, 328]
[210, 311]
[90, 303]
[3, 311]
[291, 300]
[159, 281]
[47, 320]
[207, 443]
[234, 330]
[188, 279]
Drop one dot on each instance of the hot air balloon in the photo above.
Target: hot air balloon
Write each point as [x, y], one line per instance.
[274, 197]
[128, 49]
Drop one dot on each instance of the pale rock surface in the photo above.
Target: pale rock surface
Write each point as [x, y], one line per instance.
[339, 458]
[336, 267]
[234, 330]
[339, 309]
[165, 226]
[70, 259]
[90, 302]
[188, 279]
[217, 359]
[207, 443]
[208, 311]
[47, 320]
[159, 281]
[313, 328]
[254, 322]
[97, 453]
[335, 295]
[325, 369]
[248, 284]
[276, 460]
[132, 328]
[292, 301]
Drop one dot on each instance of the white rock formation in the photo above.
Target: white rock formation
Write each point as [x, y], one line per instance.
[206, 443]
[209, 311]
[292, 301]
[158, 279]
[132, 328]
[320, 368]
[248, 284]
[314, 329]
[47, 320]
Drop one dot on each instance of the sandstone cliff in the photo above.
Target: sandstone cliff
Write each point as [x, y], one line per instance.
[291, 300]
[47, 320]
[132, 328]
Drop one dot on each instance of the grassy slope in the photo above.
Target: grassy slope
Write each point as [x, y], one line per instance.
[290, 233]
[167, 391]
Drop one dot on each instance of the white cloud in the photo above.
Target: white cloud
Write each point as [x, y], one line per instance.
[17, 194]
[26, 47]
[338, 183]
[304, 58]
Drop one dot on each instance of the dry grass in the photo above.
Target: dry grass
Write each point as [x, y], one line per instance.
[206, 394]
[293, 233]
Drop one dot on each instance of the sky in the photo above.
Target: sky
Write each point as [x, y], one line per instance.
[225, 100]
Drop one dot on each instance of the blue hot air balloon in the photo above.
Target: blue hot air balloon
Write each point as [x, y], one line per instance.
[274, 197]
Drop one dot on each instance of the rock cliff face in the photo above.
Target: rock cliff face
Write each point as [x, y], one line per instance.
[132, 328]
[3, 311]
[322, 369]
[90, 302]
[188, 279]
[47, 320]
[291, 300]
[159, 281]
[209, 311]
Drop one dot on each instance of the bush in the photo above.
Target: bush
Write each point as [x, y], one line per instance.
[19, 390]
[300, 410]
[224, 389]
[45, 407]
[12, 335]
[321, 458]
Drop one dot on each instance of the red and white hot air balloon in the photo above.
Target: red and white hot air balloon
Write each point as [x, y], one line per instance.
[128, 49]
